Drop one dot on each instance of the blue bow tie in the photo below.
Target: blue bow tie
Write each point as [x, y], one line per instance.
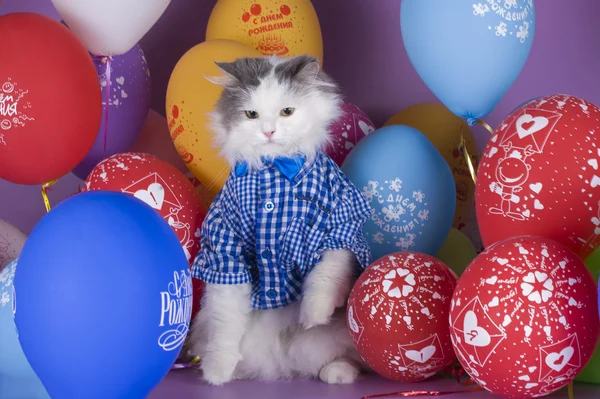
[289, 167]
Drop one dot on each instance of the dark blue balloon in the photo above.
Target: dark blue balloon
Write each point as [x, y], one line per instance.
[410, 188]
[103, 298]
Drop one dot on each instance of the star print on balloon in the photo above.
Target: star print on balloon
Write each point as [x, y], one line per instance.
[398, 316]
[539, 175]
[523, 317]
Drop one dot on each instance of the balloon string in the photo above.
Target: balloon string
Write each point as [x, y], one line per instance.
[486, 126]
[192, 364]
[421, 393]
[570, 390]
[107, 100]
[45, 188]
[467, 156]
[454, 370]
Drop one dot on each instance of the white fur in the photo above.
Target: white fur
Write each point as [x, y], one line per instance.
[308, 338]
[234, 343]
[305, 131]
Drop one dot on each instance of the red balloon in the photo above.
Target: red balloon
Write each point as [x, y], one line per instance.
[164, 188]
[50, 99]
[347, 130]
[398, 316]
[539, 175]
[524, 318]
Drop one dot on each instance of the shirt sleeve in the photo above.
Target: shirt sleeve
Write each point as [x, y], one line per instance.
[221, 259]
[345, 226]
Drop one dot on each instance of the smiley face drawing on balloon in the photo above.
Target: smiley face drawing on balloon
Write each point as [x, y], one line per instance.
[512, 172]
[523, 139]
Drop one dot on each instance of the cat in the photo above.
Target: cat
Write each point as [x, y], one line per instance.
[279, 315]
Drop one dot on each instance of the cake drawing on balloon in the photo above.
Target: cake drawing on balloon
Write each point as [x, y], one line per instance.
[13, 106]
[268, 24]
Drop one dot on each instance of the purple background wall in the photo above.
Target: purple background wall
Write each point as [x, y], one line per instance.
[364, 53]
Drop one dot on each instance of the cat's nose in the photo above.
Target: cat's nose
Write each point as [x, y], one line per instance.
[269, 134]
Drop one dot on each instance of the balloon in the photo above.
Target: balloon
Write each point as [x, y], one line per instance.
[128, 105]
[273, 27]
[43, 7]
[538, 175]
[207, 196]
[11, 243]
[467, 224]
[49, 110]
[524, 317]
[398, 316]
[345, 132]
[155, 139]
[468, 53]
[190, 97]
[591, 373]
[102, 274]
[165, 189]
[593, 263]
[110, 27]
[409, 187]
[444, 129]
[17, 379]
[457, 252]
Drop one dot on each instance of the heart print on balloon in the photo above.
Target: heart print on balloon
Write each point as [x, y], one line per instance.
[523, 319]
[540, 175]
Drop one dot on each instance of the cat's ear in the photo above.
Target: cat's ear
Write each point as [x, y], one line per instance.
[226, 78]
[302, 67]
[309, 67]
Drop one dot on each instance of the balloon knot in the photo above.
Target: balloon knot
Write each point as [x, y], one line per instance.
[471, 121]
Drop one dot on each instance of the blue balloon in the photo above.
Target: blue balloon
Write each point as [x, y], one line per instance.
[104, 297]
[17, 378]
[468, 52]
[410, 188]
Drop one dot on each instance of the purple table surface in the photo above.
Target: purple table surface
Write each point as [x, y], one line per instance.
[188, 384]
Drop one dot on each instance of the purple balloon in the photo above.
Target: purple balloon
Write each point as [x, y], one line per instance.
[128, 106]
[43, 7]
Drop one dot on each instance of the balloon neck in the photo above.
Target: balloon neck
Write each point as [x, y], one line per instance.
[471, 121]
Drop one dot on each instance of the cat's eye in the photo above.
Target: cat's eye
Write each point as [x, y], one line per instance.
[251, 114]
[287, 111]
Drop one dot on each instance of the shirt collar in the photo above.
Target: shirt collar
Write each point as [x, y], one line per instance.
[290, 167]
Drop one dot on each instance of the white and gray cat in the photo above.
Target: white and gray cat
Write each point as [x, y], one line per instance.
[271, 108]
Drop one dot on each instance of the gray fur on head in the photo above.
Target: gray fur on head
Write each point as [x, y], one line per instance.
[289, 80]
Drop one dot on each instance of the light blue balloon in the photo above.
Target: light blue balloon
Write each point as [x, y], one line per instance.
[17, 378]
[468, 52]
[410, 188]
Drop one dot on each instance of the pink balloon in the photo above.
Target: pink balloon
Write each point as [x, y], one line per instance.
[11, 243]
[156, 140]
[347, 131]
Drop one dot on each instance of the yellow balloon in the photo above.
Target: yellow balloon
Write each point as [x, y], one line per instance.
[284, 28]
[457, 252]
[190, 98]
[444, 129]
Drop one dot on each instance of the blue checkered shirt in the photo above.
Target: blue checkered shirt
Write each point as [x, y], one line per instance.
[265, 229]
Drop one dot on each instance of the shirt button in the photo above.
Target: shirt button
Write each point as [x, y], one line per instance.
[272, 294]
[266, 254]
[269, 206]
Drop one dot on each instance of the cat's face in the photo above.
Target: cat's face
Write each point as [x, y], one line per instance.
[273, 107]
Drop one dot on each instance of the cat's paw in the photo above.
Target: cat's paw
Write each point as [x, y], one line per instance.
[339, 372]
[218, 368]
[316, 310]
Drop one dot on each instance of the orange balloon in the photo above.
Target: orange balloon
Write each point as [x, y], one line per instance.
[190, 98]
